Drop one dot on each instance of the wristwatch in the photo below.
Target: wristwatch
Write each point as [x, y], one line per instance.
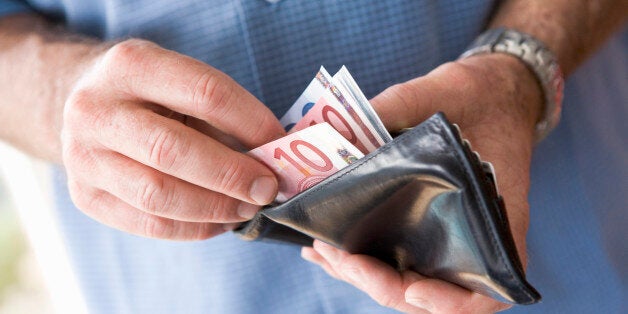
[538, 58]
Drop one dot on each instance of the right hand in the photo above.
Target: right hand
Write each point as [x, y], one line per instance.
[142, 149]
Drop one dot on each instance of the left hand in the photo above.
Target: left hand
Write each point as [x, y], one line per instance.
[496, 102]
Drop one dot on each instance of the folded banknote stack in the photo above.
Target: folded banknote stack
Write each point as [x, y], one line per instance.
[331, 125]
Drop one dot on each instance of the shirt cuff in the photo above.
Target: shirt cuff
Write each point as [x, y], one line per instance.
[8, 7]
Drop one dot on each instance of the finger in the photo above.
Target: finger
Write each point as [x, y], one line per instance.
[216, 134]
[111, 211]
[310, 255]
[398, 106]
[199, 125]
[182, 152]
[380, 281]
[188, 86]
[162, 195]
[410, 103]
[443, 297]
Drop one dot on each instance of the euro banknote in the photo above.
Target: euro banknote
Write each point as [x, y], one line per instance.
[338, 101]
[302, 159]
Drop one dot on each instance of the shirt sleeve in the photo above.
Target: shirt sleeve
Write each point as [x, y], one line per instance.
[8, 7]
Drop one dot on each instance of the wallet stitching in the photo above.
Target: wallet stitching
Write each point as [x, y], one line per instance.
[485, 219]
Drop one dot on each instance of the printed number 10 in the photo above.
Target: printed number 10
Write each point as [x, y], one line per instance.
[295, 148]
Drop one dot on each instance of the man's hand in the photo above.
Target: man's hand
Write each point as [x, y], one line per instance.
[496, 102]
[148, 142]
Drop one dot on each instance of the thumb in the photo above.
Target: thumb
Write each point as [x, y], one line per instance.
[448, 88]
[407, 104]
[400, 106]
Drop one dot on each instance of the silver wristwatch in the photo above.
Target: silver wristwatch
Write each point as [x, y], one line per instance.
[537, 58]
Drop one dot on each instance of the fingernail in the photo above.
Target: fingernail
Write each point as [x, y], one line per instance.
[230, 227]
[263, 190]
[421, 303]
[247, 210]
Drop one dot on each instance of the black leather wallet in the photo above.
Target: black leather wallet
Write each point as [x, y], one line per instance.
[422, 202]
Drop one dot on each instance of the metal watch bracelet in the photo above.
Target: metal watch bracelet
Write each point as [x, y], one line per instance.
[538, 58]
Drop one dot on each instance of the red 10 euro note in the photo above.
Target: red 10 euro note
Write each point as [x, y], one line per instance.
[323, 112]
[304, 158]
[338, 101]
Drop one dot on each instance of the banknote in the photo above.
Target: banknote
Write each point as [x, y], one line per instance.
[324, 112]
[348, 86]
[325, 99]
[304, 158]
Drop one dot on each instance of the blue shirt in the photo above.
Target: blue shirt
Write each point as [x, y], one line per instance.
[577, 249]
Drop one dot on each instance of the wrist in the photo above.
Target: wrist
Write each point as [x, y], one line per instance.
[506, 74]
[535, 55]
[39, 68]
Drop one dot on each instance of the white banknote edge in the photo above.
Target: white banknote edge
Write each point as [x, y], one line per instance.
[359, 109]
[348, 86]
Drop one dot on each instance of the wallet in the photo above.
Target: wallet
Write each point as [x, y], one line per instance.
[424, 202]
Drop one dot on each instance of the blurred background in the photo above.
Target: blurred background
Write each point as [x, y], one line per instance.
[22, 288]
[35, 272]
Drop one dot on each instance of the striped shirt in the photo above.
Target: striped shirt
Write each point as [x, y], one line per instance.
[576, 252]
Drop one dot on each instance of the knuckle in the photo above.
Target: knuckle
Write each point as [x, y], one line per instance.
[212, 95]
[82, 199]
[404, 95]
[265, 130]
[71, 150]
[217, 209]
[403, 92]
[166, 146]
[81, 112]
[205, 231]
[127, 52]
[152, 194]
[75, 157]
[465, 78]
[387, 300]
[76, 194]
[80, 162]
[78, 107]
[126, 60]
[156, 227]
[231, 175]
